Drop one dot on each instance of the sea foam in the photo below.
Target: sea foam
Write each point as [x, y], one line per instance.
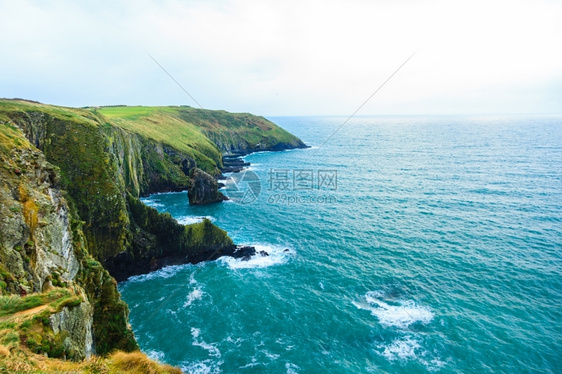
[202, 367]
[397, 313]
[210, 348]
[189, 220]
[277, 256]
[401, 349]
[156, 355]
[164, 273]
[153, 203]
[196, 294]
[410, 347]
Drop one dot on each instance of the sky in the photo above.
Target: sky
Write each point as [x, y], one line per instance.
[290, 57]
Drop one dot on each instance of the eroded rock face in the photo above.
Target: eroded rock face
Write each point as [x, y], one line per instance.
[205, 189]
[36, 240]
[76, 322]
[42, 245]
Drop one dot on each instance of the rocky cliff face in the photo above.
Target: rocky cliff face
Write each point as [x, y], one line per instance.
[205, 189]
[76, 323]
[42, 246]
[35, 228]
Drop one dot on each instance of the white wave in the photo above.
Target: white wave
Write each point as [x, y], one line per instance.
[394, 313]
[277, 255]
[291, 368]
[202, 367]
[236, 342]
[409, 347]
[155, 355]
[402, 349]
[153, 203]
[164, 273]
[189, 220]
[192, 279]
[251, 364]
[195, 332]
[196, 294]
[164, 193]
[271, 356]
[209, 347]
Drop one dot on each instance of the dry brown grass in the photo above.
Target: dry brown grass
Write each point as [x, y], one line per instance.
[24, 361]
[4, 351]
[137, 362]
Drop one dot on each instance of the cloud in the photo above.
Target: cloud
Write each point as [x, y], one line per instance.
[291, 57]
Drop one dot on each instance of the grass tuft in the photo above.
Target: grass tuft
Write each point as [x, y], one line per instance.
[137, 362]
[4, 351]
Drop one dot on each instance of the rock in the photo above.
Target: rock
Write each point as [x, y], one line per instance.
[233, 164]
[243, 252]
[232, 169]
[188, 164]
[204, 189]
[76, 322]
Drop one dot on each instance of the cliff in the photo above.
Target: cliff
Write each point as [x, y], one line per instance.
[72, 220]
[43, 252]
[203, 134]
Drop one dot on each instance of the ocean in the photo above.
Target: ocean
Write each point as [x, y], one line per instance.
[401, 245]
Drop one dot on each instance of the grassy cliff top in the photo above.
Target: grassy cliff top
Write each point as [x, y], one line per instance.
[199, 129]
[195, 132]
[192, 119]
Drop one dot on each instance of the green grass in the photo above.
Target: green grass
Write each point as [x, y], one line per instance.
[63, 113]
[58, 298]
[164, 125]
[198, 131]
[194, 132]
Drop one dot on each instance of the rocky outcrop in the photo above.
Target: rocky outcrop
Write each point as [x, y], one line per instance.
[77, 324]
[162, 241]
[204, 189]
[233, 164]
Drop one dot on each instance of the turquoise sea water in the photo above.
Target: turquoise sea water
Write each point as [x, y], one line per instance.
[437, 249]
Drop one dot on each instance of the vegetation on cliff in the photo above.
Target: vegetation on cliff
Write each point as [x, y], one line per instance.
[203, 134]
[42, 245]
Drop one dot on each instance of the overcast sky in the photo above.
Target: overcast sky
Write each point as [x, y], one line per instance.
[290, 57]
